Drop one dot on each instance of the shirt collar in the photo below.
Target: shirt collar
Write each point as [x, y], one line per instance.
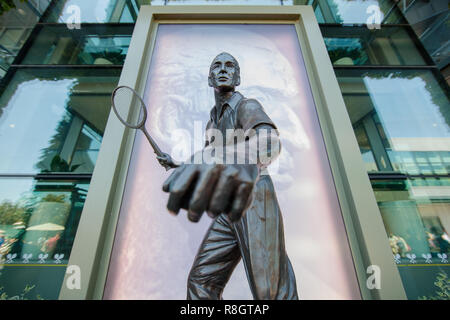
[233, 101]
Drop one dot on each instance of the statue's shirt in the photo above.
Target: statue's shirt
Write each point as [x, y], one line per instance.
[237, 112]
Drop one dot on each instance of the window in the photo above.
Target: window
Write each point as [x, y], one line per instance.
[46, 113]
[416, 214]
[38, 222]
[360, 46]
[356, 11]
[405, 116]
[93, 44]
[93, 11]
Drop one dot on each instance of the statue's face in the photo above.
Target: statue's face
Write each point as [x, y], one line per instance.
[224, 73]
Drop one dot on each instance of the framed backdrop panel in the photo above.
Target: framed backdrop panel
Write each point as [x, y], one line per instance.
[153, 251]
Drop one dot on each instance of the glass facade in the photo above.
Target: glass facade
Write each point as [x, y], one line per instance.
[54, 104]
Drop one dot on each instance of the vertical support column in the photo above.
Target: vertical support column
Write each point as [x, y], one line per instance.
[70, 142]
[379, 152]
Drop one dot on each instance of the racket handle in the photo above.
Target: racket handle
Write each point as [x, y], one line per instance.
[152, 142]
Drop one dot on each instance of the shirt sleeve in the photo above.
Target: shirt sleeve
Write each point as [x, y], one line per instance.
[250, 114]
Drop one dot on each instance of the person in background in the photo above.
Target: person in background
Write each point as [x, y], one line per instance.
[441, 239]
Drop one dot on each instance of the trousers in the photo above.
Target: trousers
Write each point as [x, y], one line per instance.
[258, 239]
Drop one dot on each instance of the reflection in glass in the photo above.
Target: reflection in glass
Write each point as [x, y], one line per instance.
[38, 223]
[93, 11]
[416, 214]
[89, 45]
[364, 148]
[361, 46]
[47, 117]
[355, 11]
[405, 115]
[87, 148]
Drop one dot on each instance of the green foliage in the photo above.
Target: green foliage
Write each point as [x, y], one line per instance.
[114, 56]
[354, 54]
[60, 165]
[6, 5]
[54, 198]
[443, 284]
[11, 213]
[22, 296]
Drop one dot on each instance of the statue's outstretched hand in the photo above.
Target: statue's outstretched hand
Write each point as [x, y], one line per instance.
[214, 188]
[166, 161]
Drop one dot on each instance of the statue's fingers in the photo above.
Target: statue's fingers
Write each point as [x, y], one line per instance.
[180, 187]
[203, 191]
[220, 199]
[170, 179]
[241, 201]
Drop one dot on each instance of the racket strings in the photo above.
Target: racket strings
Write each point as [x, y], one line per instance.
[128, 107]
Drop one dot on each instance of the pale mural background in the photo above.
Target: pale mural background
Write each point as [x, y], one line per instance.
[153, 251]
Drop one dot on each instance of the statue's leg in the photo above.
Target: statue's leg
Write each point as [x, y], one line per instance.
[216, 259]
[261, 239]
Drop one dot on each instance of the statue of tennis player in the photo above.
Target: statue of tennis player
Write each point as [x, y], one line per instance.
[236, 192]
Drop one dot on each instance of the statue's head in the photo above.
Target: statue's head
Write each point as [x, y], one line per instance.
[224, 72]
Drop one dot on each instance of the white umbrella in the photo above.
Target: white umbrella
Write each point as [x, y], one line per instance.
[46, 227]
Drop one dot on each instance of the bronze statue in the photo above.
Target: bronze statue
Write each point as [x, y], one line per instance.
[239, 196]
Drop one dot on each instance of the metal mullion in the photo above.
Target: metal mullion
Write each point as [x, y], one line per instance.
[404, 176]
[67, 66]
[48, 10]
[87, 24]
[376, 67]
[353, 25]
[48, 176]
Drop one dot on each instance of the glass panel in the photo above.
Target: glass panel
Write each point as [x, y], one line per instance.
[416, 214]
[364, 148]
[87, 149]
[89, 45]
[93, 11]
[361, 46]
[405, 115]
[221, 2]
[179, 101]
[15, 27]
[43, 113]
[437, 39]
[358, 12]
[38, 223]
